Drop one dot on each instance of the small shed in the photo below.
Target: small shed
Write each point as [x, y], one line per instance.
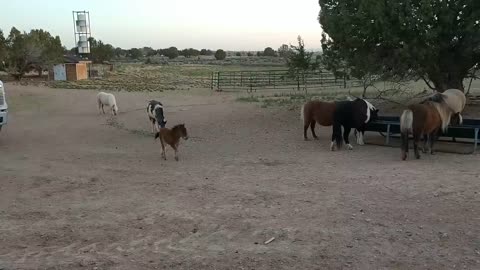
[72, 70]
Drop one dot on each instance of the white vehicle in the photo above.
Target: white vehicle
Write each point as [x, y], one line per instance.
[3, 106]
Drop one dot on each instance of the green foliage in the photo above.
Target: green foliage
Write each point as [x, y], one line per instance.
[438, 41]
[100, 52]
[148, 51]
[171, 52]
[284, 51]
[3, 50]
[119, 52]
[269, 52]
[299, 60]
[238, 54]
[249, 54]
[23, 52]
[190, 52]
[134, 53]
[206, 52]
[220, 54]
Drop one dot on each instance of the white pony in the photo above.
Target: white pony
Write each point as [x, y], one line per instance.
[107, 99]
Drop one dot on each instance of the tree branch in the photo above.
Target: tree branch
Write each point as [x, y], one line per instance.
[428, 84]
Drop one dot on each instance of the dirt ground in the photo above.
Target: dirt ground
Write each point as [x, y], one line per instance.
[81, 191]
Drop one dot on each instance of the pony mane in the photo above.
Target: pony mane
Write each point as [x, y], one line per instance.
[177, 126]
[445, 113]
[438, 98]
[370, 108]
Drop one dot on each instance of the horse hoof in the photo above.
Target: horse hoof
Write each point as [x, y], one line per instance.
[349, 147]
[417, 156]
[306, 139]
[315, 138]
[332, 147]
[432, 153]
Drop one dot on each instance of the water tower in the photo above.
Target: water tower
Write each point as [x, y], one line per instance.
[81, 27]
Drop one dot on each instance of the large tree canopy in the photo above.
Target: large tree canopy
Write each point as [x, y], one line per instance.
[434, 40]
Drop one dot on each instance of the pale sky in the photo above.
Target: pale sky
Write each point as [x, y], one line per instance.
[212, 24]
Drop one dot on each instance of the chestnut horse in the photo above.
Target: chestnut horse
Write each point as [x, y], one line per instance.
[316, 111]
[172, 138]
[425, 119]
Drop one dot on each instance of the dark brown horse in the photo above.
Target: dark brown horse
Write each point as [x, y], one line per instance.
[423, 120]
[172, 138]
[316, 111]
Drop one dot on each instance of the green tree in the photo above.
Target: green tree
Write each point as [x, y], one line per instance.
[238, 54]
[220, 54]
[437, 41]
[100, 52]
[134, 53]
[300, 62]
[119, 52]
[3, 50]
[206, 52]
[36, 50]
[171, 52]
[269, 52]
[189, 52]
[284, 50]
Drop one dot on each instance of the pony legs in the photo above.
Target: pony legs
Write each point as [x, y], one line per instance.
[346, 134]
[164, 155]
[336, 136]
[312, 128]
[416, 140]
[175, 148]
[404, 145]
[310, 124]
[433, 137]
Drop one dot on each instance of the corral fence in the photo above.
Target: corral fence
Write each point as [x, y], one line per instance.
[277, 79]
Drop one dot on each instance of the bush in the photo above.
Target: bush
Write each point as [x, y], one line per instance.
[269, 52]
[220, 54]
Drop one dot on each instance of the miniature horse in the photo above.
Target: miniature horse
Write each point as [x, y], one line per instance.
[453, 99]
[316, 111]
[426, 119]
[155, 115]
[351, 114]
[172, 138]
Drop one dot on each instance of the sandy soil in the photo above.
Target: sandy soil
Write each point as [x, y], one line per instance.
[80, 191]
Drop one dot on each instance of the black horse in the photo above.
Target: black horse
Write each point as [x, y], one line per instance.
[351, 114]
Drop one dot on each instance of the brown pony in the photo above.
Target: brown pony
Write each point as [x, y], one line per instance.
[426, 119]
[316, 111]
[172, 138]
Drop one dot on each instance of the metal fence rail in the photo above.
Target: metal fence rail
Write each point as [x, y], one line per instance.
[276, 79]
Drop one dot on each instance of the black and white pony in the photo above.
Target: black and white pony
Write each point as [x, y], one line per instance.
[351, 114]
[156, 115]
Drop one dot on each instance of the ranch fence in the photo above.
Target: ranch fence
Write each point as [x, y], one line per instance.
[277, 79]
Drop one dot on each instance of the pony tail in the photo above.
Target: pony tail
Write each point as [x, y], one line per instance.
[406, 126]
[406, 121]
[302, 111]
[337, 134]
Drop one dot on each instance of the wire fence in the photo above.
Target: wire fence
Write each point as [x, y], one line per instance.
[277, 79]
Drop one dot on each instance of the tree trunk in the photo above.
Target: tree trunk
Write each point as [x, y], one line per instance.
[444, 81]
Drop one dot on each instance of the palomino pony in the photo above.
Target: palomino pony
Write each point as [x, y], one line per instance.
[426, 119]
[351, 114]
[172, 138]
[454, 99]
